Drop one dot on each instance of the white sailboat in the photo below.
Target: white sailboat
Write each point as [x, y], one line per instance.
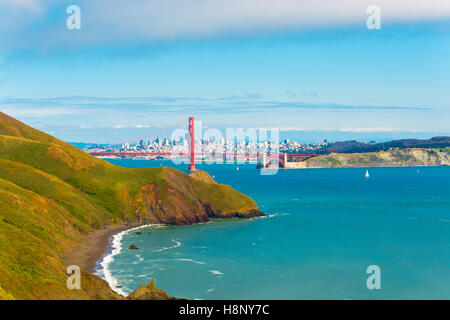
[367, 174]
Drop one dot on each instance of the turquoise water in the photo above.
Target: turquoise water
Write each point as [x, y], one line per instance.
[326, 226]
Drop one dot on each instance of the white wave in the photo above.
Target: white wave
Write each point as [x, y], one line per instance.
[116, 247]
[216, 272]
[210, 290]
[177, 244]
[283, 214]
[190, 260]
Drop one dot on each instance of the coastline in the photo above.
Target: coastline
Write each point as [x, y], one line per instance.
[94, 245]
[97, 251]
[114, 248]
[367, 166]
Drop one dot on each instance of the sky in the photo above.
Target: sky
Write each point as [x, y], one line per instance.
[309, 68]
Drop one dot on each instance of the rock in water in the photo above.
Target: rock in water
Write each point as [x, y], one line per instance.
[133, 247]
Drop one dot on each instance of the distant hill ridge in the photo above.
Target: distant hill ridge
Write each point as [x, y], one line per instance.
[359, 147]
[52, 194]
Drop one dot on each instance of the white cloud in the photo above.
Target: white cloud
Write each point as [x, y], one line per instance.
[127, 114]
[20, 110]
[171, 18]
[292, 129]
[33, 5]
[115, 21]
[369, 130]
[354, 130]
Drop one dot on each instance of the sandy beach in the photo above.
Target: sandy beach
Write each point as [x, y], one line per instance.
[94, 245]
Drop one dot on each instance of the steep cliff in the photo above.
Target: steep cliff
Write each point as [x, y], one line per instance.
[53, 194]
[390, 158]
[148, 292]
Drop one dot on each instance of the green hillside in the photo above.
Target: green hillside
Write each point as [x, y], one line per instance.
[52, 194]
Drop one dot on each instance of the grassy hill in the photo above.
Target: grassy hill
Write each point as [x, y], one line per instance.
[52, 194]
[363, 147]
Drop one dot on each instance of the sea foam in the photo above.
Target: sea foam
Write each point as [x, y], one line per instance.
[216, 272]
[177, 244]
[115, 247]
[190, 260]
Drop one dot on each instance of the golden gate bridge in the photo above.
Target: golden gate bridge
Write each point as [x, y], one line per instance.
[266, 159]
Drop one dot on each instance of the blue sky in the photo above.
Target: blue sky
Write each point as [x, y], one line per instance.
[295, 67]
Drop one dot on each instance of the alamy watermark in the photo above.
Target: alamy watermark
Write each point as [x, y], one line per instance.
[74, 19]
[374, 19]
[374, 280]
[74, 279]
[236, 146]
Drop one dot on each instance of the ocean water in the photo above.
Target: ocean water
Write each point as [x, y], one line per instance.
[325, 227]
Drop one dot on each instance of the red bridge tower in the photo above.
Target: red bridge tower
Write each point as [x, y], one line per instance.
[191, 145]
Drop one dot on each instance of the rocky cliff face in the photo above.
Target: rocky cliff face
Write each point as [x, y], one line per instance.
[53, 194]
[187, 200]
[394, 158]
[149, 292]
